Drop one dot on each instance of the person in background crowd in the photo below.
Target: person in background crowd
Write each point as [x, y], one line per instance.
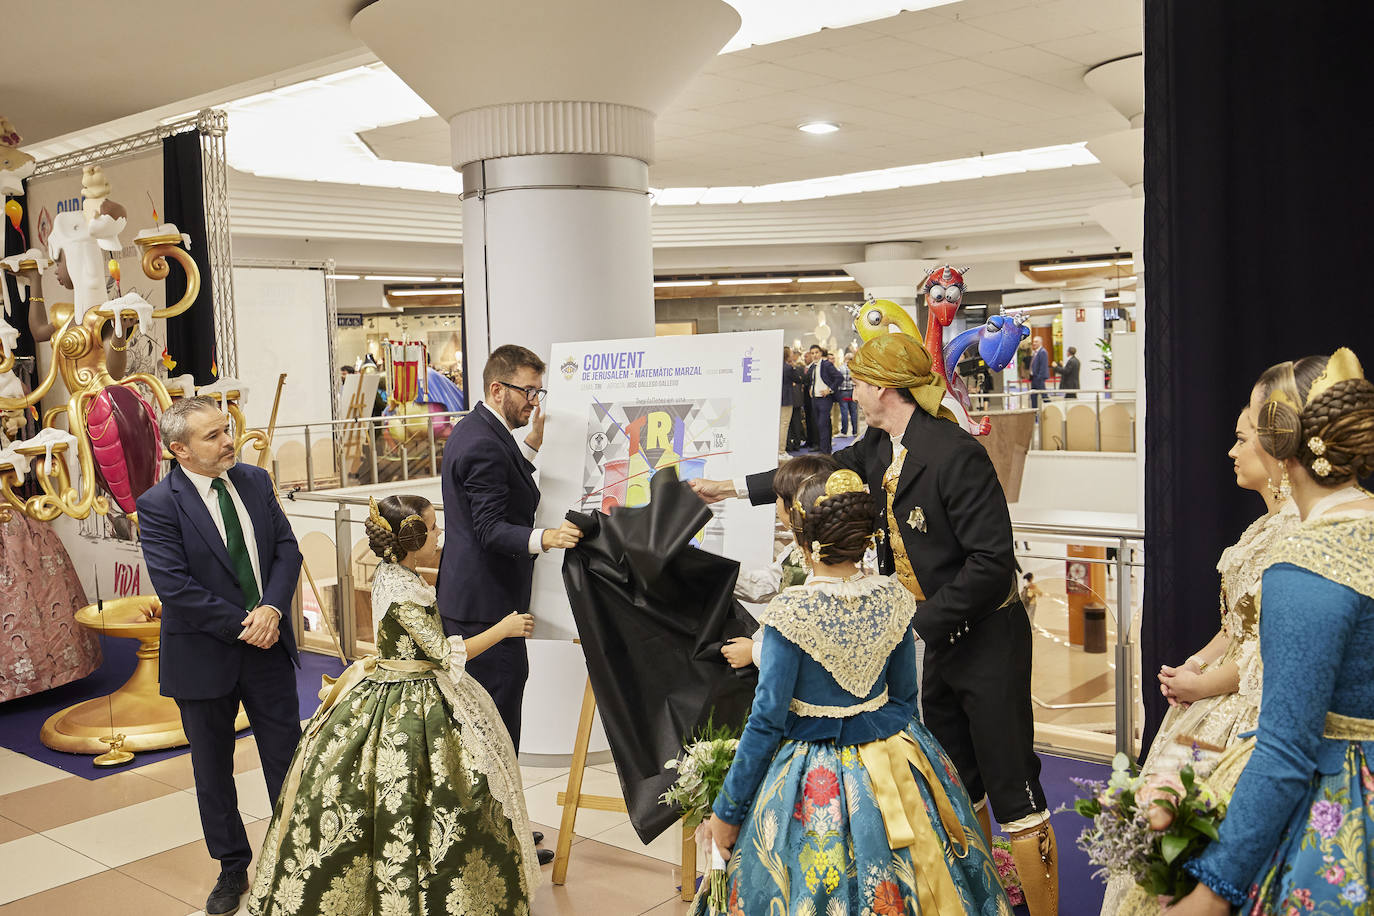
[1039, 370]
[849, 408]
[822, 379]
[1068, 373]
[1030, 593]
[792, 382]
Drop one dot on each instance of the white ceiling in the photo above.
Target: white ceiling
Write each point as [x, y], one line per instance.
[979, 76]
[68, 65]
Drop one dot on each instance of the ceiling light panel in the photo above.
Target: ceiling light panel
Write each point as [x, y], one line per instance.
[763, 22]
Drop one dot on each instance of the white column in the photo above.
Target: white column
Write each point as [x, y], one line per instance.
[1082, 327]
[551, 108]
[555, 248]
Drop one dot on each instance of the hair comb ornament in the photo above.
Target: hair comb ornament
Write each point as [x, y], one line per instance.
[1316, 446]
[375, 515]
[844, 481]
[1343, 366]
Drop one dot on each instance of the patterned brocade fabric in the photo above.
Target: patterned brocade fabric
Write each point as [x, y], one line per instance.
[874, 613]
[409, 798]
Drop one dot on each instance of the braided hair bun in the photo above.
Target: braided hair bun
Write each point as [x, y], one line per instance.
[397, 527]
[1332, 436]
[842, 523]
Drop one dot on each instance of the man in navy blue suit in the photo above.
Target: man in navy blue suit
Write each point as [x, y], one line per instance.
[823, 379]
[1039, 370]
[490, 542]
[224, 563]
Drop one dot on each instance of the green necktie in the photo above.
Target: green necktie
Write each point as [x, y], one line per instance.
[238, 549]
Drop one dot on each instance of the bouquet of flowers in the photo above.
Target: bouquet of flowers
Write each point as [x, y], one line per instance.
[1149, 826]
[701, 769]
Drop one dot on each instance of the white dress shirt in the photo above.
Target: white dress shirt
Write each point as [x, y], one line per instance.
[536, 545]
[204, 487]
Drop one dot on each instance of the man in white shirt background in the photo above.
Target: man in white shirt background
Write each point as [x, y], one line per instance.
[224, 563]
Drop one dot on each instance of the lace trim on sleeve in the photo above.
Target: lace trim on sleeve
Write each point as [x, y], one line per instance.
[1234, 895]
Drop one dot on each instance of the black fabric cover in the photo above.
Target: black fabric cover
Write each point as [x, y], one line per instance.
[1258, 195]
[652, 612]
[190, 335]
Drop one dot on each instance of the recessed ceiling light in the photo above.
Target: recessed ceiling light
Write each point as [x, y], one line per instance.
[658, 284]
[437, 291]
[754, 281]
[842, 278]
[819, 127]
[388, 278]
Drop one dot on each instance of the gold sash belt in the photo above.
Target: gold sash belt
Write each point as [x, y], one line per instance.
[803, 708]
[1348, 728]
[332, 691]
[909, 824]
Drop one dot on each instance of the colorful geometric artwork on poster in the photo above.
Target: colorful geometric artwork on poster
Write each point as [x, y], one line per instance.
[628, 443]
[620, 411]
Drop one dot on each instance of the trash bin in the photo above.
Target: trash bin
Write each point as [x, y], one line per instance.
[1095, 627]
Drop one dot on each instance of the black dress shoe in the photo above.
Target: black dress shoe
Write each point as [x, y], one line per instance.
[224, 899]
[545, 857]
[538, 837]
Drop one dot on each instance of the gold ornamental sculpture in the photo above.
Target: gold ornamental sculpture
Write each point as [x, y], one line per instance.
[108, 424]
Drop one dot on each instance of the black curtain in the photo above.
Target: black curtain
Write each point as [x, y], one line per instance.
[191, 335]
[25, 370]
[15, 242]
[1257, 211]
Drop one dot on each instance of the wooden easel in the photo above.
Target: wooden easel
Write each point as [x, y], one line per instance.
[573, 799]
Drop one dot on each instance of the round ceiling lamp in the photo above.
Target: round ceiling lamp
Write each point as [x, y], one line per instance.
[819, 127]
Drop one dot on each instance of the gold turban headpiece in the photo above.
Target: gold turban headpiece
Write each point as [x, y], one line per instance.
[902, 361]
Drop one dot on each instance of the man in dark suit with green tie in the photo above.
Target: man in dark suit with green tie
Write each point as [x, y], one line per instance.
[224, 563]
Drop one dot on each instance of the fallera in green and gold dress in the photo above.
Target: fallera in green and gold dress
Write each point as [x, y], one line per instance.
[404, 796]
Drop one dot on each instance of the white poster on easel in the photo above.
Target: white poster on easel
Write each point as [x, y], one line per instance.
[619, 411]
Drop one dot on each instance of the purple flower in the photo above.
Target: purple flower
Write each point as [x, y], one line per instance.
[1326, 818]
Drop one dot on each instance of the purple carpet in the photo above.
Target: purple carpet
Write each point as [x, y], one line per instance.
[21, 720]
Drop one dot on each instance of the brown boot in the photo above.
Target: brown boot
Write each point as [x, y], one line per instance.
[1037, 863]
[985, 821]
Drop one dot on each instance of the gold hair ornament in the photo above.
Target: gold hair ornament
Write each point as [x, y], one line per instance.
[844, 481]
[1316, 446]
[1321, 467]
[1341, 367]
[375, 515]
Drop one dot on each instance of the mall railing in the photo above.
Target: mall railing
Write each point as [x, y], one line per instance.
[1129, 546]
[340, 453]
[1076, 420]
[353, 631]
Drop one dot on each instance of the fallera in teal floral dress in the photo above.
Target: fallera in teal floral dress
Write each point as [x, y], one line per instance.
[845, 802]
[404, 796]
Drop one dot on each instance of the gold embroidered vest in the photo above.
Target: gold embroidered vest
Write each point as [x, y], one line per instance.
[905, 573]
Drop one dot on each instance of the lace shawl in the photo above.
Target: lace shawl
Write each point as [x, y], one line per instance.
[1241, 566]
[487, 746]
[848, 627]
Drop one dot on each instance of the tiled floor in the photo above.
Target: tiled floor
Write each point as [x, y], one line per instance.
[130, 844]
